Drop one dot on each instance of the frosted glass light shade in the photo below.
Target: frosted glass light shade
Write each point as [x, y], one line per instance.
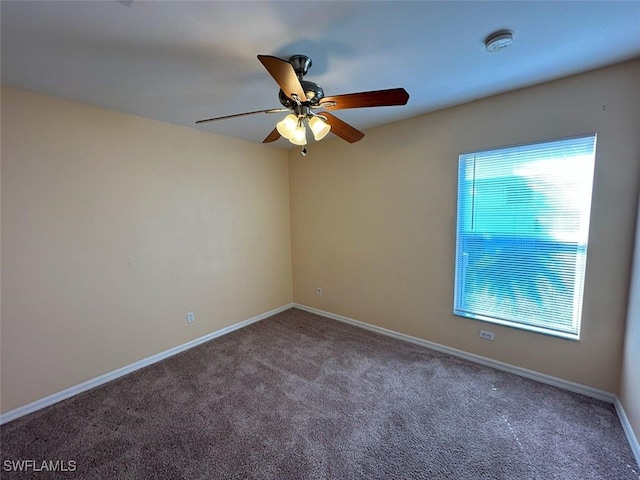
[287, 127]
[299, 136]
[319, 128]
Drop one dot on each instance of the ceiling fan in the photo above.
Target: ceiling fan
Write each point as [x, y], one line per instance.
[301, 98]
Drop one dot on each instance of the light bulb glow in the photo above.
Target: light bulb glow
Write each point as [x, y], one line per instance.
[319, 128]
[287, 126]
[299, 136]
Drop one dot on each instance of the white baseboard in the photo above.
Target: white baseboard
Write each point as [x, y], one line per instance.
[523, 372]
[628, 430]
[541, 377]
[107, 377]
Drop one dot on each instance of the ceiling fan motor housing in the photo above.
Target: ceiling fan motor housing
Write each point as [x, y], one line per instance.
[312, 90]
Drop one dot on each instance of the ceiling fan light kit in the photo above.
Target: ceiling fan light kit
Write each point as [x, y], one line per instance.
[287, 126]
[319, 127]
[299, 136]
[300, 97]
[293, 129]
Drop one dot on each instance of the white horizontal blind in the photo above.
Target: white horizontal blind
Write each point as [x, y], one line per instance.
[523, 223]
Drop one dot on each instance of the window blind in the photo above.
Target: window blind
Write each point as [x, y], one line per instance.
[522, 231]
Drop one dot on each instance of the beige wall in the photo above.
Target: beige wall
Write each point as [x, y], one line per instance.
[373, 223]
[115, 226]
[630, 384]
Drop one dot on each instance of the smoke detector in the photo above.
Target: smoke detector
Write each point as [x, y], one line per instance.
[498, 40]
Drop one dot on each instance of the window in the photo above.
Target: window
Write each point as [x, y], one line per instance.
[523, 224]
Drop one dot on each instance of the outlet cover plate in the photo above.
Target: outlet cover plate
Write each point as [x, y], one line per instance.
[487, 335]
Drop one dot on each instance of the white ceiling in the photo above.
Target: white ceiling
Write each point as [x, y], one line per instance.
[182, 61]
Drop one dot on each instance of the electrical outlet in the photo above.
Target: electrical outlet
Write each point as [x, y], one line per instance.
[191, 317]
[319, 292]
[487, 335]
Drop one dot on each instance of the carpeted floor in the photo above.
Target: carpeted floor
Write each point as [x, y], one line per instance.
[298, 396]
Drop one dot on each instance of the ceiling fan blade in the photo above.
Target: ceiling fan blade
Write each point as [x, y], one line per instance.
[284, 75]
[342, 129]
[375, 98]
[272, 137]
[270, 110]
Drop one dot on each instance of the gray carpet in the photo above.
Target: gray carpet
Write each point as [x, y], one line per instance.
[297, 396]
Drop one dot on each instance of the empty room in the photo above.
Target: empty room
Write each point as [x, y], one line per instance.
[320, 240]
